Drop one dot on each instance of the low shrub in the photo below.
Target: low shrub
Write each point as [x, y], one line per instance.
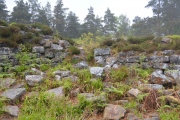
[138, 40]
[3, 23]
[5, 32]
[119, 74]
[36, 40]
[46, 30]
[107, 43]
[74, 50]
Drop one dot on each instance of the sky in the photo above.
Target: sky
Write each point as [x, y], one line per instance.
[130, 8]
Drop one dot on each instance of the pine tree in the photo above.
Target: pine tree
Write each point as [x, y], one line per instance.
[20, 13]
[3, 11]
[123, 26]
[110, 22]
[59, 17]
[49, 13]
[89, 21]
[42, 17]
[72, 26]
[34, 9]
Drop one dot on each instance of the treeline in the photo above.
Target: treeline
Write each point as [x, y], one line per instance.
[165, 20]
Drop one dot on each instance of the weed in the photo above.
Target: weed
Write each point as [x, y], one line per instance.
[119, 74]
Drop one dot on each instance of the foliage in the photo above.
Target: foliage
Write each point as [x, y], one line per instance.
[44, 67]
[47, 107]
[3, 23]
[74, 50]
[44, 29]
[138, 40]
[107, 42]
[119, 74]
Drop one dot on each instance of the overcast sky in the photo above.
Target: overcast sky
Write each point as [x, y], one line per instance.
[130, 8]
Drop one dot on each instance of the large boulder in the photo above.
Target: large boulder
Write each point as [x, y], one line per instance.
[38, 49]
[157, 77]
[175, 59]
[175, 74]
[56, 47]
[113, 112]
[97, 71]
[102, 51]
[33, 80]
[57, 92]
[5, 51]
[14, 94]
[81, 65]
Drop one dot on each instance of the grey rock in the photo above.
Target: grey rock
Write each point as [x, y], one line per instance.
[155, 59]
[38, 71]
[151, 86]
[162, 66]
[32, 80]
[64, 43]
[175, 59]
[131, 116]
[97, 71]
[111, 60]
[102, 51]
[72, 78]
[5, 51]
[38, 49]
[130, 53]
[57, 77]
[81, 65]
[166, 40]
[14, 94]
[134, 92]
[168, 52]
[175, 74]
[62, 73]
[134, 59]
[122, 54]
[6, 83]
[56, 47]
[48, 44]
[99, 60]
[113, 112]
[60, 55]
[12, 110]
[92, 98]
[57, 92]
[49, 54]
[158, 77]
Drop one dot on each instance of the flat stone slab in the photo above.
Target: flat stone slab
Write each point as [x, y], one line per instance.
[62, 73]
[38, 49]
[113, 112]
[32, 80]
[5, 50]
[58, 92]
[151, 86]
[12, 110]
[102, 51]
[14, 94]
[6, 83]
[134, 92]
[56, 47]
[97, 71]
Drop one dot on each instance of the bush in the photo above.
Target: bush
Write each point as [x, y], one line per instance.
[138, 40]
[36, 40]
[5, 32]
[3, 23]
[107, 43]
[46, 30]
[74, 50]
[119, 74]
